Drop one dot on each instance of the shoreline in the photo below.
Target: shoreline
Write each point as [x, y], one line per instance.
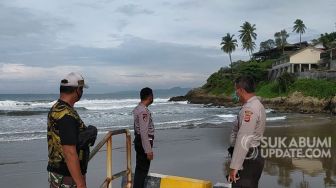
[296, 102]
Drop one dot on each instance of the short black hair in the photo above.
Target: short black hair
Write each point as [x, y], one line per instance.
[67, 89]
[145, 93]
[246, 82]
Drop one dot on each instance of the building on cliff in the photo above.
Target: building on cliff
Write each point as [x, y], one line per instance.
[309, 62]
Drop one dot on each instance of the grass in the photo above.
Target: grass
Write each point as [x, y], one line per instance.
[308, 87]
[315, 88]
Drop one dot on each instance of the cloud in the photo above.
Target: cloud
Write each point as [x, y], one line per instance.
[20, 78]
[132, 10]
[22, 32]
[21, 72]
[133, 52]
[123, 44]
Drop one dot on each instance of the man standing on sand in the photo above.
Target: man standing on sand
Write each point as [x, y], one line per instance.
[247, 164]
[144, 136]
[68, 160]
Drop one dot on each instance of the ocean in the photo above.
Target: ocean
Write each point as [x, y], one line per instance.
[191, 140]
[24, 116]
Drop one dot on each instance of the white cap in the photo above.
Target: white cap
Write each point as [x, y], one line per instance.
[74, 80]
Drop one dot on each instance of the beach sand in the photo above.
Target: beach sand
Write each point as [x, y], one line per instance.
[199, 153]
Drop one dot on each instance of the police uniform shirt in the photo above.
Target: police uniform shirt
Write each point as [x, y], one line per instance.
[247, 131]
[143, 125]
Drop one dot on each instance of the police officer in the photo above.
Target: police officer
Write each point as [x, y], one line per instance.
[67, 162]
[144, 136]
[247, 164]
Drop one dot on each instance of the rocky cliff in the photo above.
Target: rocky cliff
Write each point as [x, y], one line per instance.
[296, 102]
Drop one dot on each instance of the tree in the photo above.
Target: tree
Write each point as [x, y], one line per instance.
[284, 81]
[229, 45]
[247, 36]
[299, 27]
[328, 40]
[267, 45]
[281, 39]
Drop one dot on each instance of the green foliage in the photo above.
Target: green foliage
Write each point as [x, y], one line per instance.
[255, 69]
[284, 81]
[247, 36]
[309, 87]
[267, 89]
[267, 45]
[220, 83]
[229, 45]
[281, 39]
[299, 27]
[315, 88]
[266, 64]
[328, 40]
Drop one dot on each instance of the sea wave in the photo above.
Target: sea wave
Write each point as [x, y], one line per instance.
[180, 121]
[20, 105]
[13, 133]
[22, 112]
[11, 139]
[269, 110]
[8, 107]
[227, 117]
[11, 136]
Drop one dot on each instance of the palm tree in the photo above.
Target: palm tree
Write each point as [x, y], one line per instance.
[281, 39]
[229, 45]
[299, 27]
[247, 36]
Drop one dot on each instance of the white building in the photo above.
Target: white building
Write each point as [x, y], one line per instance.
[300, 61]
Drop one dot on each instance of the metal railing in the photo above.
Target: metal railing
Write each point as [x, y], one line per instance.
[108, 140]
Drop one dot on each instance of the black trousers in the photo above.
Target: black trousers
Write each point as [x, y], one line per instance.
[142, 164]
[251, 173]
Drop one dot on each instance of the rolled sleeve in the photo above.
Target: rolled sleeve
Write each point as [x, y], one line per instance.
[144, 118]
[244, 138]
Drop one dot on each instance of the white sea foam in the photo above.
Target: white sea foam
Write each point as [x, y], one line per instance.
[113, 104]
[20, 105]
[12, 139]
[276, 118]
[94, 104]
[22, 132]
[181, 121]
[269, 110]
[227, 117]
[162, 102]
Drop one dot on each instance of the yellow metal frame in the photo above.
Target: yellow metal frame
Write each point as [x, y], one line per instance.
[108, 141]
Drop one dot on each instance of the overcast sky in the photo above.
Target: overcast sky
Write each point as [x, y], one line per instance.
[125, 45]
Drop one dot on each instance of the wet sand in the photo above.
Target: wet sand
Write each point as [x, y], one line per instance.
[195, 152]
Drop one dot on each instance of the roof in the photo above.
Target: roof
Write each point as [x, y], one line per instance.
[289, 47]
[303, 49]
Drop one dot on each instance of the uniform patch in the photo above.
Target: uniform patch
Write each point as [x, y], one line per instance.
[247, 116]
[145, 117]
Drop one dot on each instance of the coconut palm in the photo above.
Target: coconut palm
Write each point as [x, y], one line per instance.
[299, 27]
[229, 45]
[281, 39]
[247, 36]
